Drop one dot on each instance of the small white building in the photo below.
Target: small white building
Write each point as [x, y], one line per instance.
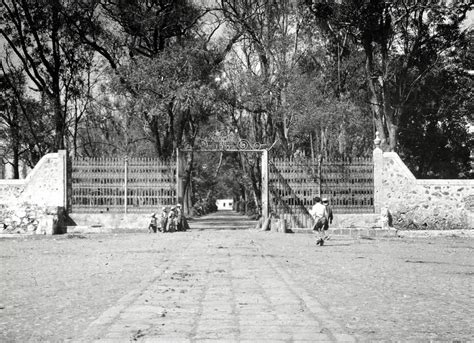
[224, 204]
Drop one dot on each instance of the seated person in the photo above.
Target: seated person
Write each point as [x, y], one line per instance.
[152, 227]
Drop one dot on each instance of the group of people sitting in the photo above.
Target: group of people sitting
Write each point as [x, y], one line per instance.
[170, 220]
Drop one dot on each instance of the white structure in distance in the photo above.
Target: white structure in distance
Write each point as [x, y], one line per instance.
[224, 204]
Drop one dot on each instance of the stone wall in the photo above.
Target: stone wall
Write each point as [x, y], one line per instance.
[421, 204]
[35, 205]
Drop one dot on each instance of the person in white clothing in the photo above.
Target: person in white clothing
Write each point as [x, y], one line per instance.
[320, 216]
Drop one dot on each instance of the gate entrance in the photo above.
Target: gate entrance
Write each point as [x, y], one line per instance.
[295, 182]
[288, 186]
[220, 143]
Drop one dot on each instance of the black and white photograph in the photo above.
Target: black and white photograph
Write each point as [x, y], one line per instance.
[206, 171]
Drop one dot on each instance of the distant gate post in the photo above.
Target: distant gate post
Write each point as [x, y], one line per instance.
[378, 170]
[63, 156]
[265, 203]
[180, 172]
[125, 185]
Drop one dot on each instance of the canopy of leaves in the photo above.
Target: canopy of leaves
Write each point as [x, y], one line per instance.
[307, 77]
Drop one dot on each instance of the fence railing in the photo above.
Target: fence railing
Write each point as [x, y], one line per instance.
[118, 184]
[348, 183]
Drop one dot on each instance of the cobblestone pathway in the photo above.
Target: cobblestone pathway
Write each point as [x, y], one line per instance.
[223, 289]
[246, 285]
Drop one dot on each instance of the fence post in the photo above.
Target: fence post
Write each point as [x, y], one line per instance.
[320, 172]
[180, 173]
[64, 182]
[126, 185]
[378, 174]
[265, 202]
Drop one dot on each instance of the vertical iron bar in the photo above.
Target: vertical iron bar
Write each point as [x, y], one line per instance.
[126, 184]
[320, 162]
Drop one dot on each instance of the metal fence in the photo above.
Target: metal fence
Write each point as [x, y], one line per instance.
[117, 184]
[293, 184]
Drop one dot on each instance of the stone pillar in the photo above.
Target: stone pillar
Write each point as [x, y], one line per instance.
[378, 174]
[265, 202]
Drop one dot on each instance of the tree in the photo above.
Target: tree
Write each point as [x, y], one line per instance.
[395, 37]
[173, 95]
[325, 125]
[10, 117]
[434, 140]
[37, 34]
[27, 129]
[267, 54]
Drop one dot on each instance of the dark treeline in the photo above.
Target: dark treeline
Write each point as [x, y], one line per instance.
[312, 78]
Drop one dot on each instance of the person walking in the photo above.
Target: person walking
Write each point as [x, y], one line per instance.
[330, 217]
[320, 216]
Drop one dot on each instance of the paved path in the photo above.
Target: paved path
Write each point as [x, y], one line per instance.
[223, 220]
[221, 290]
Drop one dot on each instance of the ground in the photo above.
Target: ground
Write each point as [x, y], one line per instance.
[235, 285]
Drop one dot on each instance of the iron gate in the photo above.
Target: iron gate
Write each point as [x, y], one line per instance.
[293, 184]
[117, 184]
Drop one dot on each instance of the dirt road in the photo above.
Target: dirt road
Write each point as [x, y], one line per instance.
[234, 285]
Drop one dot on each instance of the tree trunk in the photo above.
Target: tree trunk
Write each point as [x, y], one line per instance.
[393, 133]
[216, 174]
[59, 125]
[156, 134]
[375, 104]
[59, 116]
[16, 161]
[187, 189]
[15, 141]
[392, 128]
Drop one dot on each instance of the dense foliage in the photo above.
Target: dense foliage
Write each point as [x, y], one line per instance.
[314, 78]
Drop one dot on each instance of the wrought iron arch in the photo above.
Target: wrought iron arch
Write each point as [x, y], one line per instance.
[224, 141]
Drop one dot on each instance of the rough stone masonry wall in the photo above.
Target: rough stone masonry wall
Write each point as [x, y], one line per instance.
[425, 204]
[35, 205]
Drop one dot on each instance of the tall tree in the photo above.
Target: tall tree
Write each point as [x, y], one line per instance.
[434, 139]
[265, 58]
[158, 60]
[10, 117]
[27, 130]
[395, 36]
[36, 32]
